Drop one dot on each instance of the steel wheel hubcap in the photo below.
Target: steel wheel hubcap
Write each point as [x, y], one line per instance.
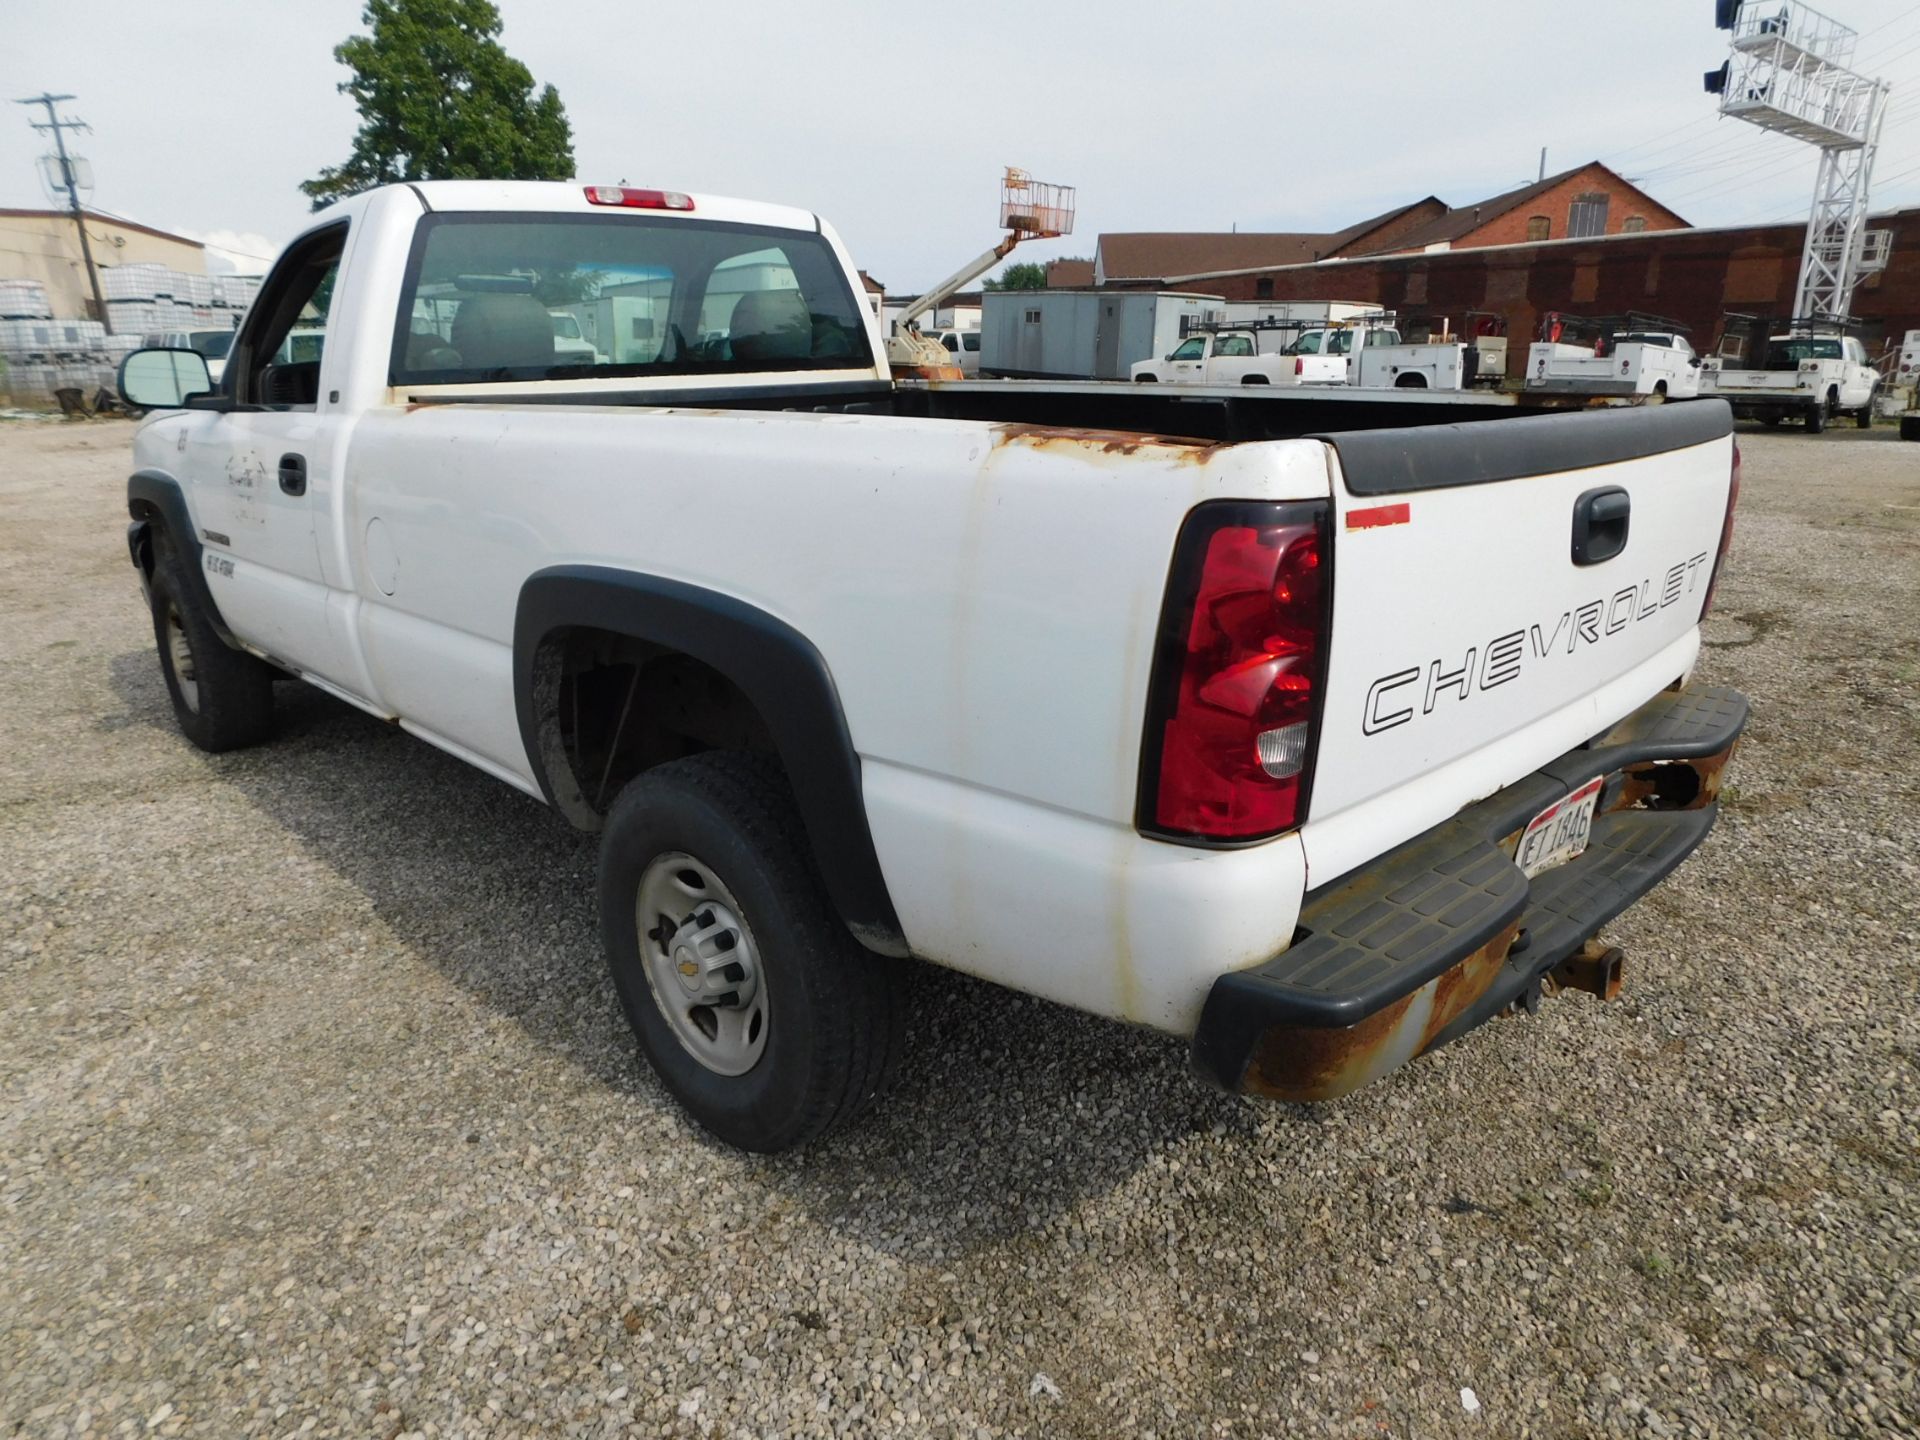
[180, 656]
[701, 964]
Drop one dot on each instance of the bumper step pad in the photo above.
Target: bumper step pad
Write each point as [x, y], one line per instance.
[1445, 931]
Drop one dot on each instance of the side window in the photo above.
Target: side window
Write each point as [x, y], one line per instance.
[1633, 224]
[1236, 347]
[1340, 343]
[1263, 289]
[1539, 227]
[275, 361]
[1191, 349]
[971, 340]
[951, 341]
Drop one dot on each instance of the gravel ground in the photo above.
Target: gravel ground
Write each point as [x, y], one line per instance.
[320, 1117]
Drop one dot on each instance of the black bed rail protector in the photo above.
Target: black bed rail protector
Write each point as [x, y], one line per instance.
[1438, 457]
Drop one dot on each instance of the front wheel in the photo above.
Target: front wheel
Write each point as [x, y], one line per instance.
[759, 1012]
[222, 697]
[1863, 417]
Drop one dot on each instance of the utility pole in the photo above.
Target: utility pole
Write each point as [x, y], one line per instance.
[59, 128]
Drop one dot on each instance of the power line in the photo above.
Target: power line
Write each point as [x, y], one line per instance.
[58, 128]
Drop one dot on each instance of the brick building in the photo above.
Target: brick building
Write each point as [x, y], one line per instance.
[1693, 276]
[1587, 200]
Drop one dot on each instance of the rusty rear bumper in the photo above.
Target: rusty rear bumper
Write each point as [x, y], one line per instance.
[1444, 932]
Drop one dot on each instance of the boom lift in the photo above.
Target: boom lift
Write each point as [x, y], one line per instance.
[1029, 210]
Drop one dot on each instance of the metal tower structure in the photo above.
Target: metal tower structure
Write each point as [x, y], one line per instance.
[1789, 72]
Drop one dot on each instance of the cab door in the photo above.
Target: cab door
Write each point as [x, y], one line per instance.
[1188, 363]
[260, 467]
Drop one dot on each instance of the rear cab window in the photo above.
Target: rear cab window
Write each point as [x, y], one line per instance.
[493, 297]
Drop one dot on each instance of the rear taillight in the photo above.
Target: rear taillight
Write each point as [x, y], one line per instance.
[1726, 532]
[1299, 366]
[1229, 741]
[634, 199]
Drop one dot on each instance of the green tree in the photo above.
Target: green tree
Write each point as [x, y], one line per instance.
[439, 99]
[1027, 275]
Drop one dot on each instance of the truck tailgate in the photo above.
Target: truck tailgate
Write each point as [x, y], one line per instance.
[1488, 614]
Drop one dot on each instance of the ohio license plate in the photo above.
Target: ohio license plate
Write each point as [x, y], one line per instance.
[1560, 832]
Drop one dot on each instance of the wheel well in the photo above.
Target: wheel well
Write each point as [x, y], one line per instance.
[1412, 380]
[1659, 387]
[619, 706]
[1253, 380]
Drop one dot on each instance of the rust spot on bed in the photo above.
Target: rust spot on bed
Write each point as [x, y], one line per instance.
[1184, 449]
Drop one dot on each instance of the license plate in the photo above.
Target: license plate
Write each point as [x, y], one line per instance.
[1560, 832]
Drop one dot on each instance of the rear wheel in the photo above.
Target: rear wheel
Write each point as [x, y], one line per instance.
[1146, 379]
[222, 697]
[1770, 421]
[1817, 416]
[765, 1019]
[1910, 427]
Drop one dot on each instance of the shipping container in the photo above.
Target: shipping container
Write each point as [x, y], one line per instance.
[1082, 334]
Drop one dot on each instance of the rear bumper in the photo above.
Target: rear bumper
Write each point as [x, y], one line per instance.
[1756, 407]
[1444, 932]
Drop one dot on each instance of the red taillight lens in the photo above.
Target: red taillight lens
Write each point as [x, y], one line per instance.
[634, 199]
[1299, 366]
[1237, 683]
[1726, 532]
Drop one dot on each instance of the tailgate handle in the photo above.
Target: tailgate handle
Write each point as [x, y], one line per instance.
[1600, 524]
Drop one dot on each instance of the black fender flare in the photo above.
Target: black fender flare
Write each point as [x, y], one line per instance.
[776, 667]
[155, 496]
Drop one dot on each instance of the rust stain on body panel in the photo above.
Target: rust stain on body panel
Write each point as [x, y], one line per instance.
[1104, 442]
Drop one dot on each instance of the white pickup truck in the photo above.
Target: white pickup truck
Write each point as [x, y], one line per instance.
[1332, 356]
[1317, 751]
[1813, 378]
[1635, 362]
[1253, 356]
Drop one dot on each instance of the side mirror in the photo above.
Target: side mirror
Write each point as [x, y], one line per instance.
[163, 379]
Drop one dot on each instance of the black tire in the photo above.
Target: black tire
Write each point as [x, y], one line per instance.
[1910, 427]
[1770, 421]
[1863, 417]
[833, 1008]
[222, 697]
[1146, 379]
[1817, 418]
[1253, 380]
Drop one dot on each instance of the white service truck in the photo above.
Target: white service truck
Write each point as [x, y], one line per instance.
[1255, 355]
[1613, 358]
[1813, 375]
[1316, 751]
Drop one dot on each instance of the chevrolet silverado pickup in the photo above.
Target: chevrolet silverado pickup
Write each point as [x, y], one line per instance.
[1315, 745]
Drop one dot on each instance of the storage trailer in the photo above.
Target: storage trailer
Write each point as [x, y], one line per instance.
[1082, 334]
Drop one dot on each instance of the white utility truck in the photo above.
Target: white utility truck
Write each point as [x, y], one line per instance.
[1243, 355]
[1811, 371]
[1315, 750]
[1614, 355]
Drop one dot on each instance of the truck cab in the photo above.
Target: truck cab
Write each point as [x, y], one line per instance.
[1249, 356]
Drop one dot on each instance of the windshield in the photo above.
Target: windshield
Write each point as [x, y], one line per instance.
[213, 344]
[655, 296]
[1787, 354]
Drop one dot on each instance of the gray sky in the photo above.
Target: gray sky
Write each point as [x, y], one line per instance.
[893, 120]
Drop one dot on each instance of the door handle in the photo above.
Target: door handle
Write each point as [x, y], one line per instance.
[1600, 522]
[293, 474]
